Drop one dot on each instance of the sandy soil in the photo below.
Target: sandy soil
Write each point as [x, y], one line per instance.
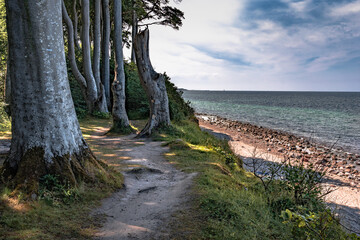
[345, 200]
[154, 190]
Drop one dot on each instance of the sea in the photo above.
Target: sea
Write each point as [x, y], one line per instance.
[330, 118]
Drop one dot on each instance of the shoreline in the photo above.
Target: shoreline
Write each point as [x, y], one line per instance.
[343, 164]
[342, 168]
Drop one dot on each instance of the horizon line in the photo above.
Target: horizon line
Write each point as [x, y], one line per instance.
[334, 91]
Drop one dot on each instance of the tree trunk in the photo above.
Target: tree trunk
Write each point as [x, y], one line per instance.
[97, 44]
[7, 85]
[133, 34]
[91, 101]
[105, 50]
[72, 58]
[46, 137]
[92, 91]
[76, 37]
[154, 86]
[121, 121]
[102, 105]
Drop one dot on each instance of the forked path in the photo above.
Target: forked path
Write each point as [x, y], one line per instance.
[153, 191]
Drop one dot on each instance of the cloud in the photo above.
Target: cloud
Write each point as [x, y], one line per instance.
[259, 44]
[346, 9]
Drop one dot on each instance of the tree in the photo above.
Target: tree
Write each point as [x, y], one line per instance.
[46, 137]
[106, 49]
[153, 12]
[148, 12]
[154, 85]
[92, 89]
[120, 118]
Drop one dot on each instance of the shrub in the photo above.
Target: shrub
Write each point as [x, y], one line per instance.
[54, 192]
[179, 109]
[137, 104]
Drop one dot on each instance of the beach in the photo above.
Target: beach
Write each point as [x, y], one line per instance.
[342, 168]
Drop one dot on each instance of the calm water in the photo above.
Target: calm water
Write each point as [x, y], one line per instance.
[323, 116]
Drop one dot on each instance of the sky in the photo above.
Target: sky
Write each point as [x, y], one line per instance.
[264, 45]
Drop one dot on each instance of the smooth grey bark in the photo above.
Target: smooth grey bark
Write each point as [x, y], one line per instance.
[92, 102]
[153, 84]
[93, 92]
[7, 85]
[76, 20]
[105, 69]
[120, 118]
[46, 137]
[102, 104]
[97, 42]
[133, 34]
[71, 55]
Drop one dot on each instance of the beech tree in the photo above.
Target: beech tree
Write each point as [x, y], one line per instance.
[46, 137]
[154, 85]
[105, 69]
[90, 84]
[154, 12]
[120, 118]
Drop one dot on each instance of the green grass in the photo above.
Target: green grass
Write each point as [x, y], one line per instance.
[41, 219]
[21, 219]
[229, 202]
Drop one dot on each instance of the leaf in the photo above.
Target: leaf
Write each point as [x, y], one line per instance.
[301, 224]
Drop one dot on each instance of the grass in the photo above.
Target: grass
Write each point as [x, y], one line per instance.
[22, 219]
[229, 202]
[226, 202]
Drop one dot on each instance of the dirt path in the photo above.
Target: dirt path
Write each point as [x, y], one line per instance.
[345, 200]
[154, 190]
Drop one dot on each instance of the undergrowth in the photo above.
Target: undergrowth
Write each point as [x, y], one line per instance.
[232, 203]
[5, 122]
[59, 211]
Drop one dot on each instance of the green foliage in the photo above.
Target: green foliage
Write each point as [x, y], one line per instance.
[179, 109]
[5, 122]
[3, 48]
[46, 219]
[53, 192]
[232, 203]
[306, 224]
[76, 93]
[119, 128]
[101, 115]
[303, 183]
[136, 104]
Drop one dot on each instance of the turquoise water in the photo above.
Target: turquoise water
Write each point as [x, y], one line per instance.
[326, 117]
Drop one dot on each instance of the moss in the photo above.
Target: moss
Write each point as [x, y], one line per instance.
[120, 128]
[75, 168]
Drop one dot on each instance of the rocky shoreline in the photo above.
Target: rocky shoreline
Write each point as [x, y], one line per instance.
[340, 163]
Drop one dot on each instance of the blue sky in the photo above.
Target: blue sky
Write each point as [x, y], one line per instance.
[294, 45]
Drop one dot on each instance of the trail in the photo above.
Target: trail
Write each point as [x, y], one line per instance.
[154, 190]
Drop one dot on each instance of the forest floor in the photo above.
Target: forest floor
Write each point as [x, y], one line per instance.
[154, 191]
[344, 200]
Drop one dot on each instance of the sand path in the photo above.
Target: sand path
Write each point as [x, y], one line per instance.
[153, 191]
[345, 200]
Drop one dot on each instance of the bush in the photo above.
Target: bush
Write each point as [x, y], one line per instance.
[179, 109]
[4, 119]
[53, 192]
[137, 104]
